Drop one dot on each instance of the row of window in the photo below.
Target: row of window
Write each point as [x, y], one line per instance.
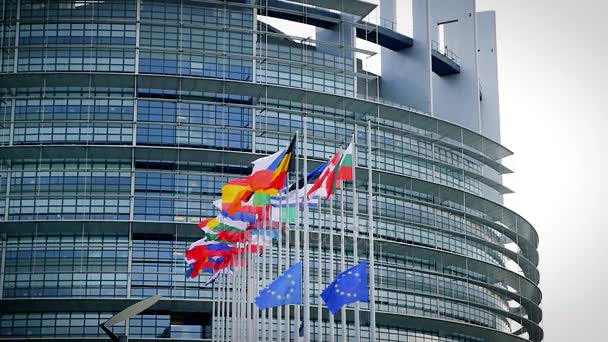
[66, 265]
[268, 119]
[184, 12]
[167, 196]
[157, 203]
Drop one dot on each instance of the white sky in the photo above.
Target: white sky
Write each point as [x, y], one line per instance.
[552, 59]
[553, 76]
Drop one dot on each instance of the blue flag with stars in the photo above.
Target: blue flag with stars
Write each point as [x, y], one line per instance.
[286, 289]
[349, 287]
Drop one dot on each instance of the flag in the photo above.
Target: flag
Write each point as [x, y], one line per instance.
[232, 237]
[344, 171]
[280, 165]
[202, 265]
[294, 197]
[209, 224]
[253, 248]
[222, 223]
[203, 248]
[285, 214]
[212, 279]
[246, 212]
[349, 287]
[268, 176]
[312, 176]
[323, 187]
[286, 289]
[261, 199]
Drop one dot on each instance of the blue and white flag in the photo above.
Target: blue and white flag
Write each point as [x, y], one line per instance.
[286, 289]
[349, 287]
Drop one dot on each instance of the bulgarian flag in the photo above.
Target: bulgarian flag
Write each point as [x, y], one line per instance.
[344, 171]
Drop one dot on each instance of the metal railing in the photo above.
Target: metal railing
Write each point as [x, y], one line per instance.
[445, 51]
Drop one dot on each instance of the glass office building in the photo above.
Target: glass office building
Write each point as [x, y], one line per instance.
[121, 120]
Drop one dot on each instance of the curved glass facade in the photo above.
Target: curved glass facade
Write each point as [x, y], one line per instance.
[121, 120]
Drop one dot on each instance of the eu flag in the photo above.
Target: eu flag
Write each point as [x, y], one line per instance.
[286, 289]
[349, 287]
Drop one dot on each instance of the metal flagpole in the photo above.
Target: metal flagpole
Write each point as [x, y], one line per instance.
[244, 289]
[236, 307]
[223, 307]
[238, 295]
[306, 264]
[287, 265]
[233, 302]
[213, 326]
[356, 228]
[230, 305]
[280, 258]
[220, 324]
[263, 274]
[332, 324]
[322, 217]
[370, 229]
[342, 256]
[269, 271]
[296, 231]
[255, 285]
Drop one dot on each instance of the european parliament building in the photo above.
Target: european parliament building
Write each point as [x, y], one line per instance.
[120, 120]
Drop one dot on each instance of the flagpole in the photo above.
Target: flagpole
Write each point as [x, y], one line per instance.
[236, 302]
[332, 324]
[356, 229]
[342, 257]
[239, 315]
[297, 239]
[238, 296]
[280, 261]
[265, 272]
[268, 227]
[224, 306]
[370, 229]
[233, 330]
[287, 265]
[213, 312]
[269, 313]
[306, 264]
[322, 219]
[264, 283]
[246, 319]
[218, 331]
[255, 286]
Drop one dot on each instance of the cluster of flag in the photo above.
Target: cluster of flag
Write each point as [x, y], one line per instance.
[264, 199]
[244, 207]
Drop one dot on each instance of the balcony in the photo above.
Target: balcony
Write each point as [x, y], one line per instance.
[445, 61]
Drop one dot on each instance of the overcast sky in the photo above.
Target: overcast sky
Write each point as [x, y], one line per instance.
[553, 76]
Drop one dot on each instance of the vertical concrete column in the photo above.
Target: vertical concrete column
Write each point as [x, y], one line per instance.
[406, 74]
[489, 104]
[456, 96]
[487, 68]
